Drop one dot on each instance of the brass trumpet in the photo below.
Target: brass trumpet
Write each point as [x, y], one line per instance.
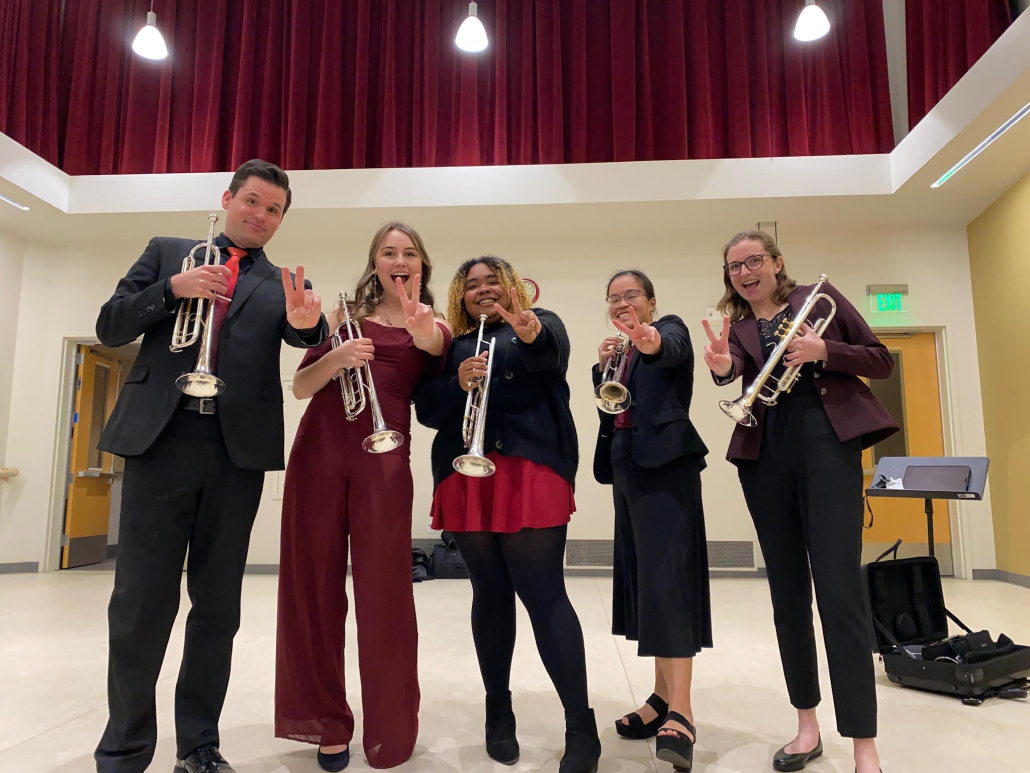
[611, 395]
[354, 384]
[473, 425]
[740, 409]
[196, 321]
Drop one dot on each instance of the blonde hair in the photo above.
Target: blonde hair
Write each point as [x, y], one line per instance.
[458, 318]
[369, 291]
[732, 305]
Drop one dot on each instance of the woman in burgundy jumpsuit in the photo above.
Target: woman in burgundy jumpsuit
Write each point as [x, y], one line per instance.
[337, 493]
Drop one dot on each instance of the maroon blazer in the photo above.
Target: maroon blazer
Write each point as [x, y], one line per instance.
[852, 350]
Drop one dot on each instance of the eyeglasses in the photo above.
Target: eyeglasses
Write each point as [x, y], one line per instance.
[632, 295]
[753, 262]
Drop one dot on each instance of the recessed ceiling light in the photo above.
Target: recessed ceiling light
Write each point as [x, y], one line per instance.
[14, 203]
[983, 145]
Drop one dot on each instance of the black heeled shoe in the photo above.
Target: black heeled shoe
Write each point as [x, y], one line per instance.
[501, 743]
[637, 729]
[333, 763]
[582, 746]
[677, 747]
[784, 761]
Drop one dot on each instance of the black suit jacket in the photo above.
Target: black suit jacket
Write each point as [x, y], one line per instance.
[660, 387]
[528, 413]
[250, 410]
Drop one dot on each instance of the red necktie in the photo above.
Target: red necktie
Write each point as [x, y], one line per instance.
[233, 264]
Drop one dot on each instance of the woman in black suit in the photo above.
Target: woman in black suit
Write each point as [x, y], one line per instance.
[654, 457]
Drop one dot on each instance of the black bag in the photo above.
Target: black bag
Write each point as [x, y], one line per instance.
[447, 563]
[910, 631]
[419, 565]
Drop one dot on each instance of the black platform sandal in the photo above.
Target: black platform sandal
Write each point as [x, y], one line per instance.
[676, 746]
[637, 729]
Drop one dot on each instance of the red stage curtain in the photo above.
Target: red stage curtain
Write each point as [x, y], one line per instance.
[315, 84]
[29, 35]
[944, 39]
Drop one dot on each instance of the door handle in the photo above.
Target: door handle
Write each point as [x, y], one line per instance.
[108, 476]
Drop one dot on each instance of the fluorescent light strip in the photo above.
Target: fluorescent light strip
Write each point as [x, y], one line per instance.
[982, 146]
[13, 203]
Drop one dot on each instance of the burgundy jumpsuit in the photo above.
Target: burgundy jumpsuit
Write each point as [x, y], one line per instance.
[336, 494]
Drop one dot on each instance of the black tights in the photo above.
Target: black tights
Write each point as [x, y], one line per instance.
[529, 563]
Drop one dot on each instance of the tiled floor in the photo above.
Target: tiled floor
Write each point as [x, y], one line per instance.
[53, 661]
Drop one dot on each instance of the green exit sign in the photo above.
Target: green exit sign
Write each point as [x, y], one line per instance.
[888, 302]
[887, 299]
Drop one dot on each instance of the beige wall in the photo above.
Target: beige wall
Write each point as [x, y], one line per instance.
[11, 251]
[571, 268]
[999, 255]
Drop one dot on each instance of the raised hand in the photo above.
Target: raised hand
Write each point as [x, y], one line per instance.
[607, 350]
[419, 321]
[470, 371]
[806, 347]
[525, 323]
[303, 307]
[645, 338]
[717, 351]
[201, 282]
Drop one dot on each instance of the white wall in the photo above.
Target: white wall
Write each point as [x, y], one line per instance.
[11, 259]
[571, 269]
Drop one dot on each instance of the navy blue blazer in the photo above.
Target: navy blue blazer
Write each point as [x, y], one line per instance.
[661, 387]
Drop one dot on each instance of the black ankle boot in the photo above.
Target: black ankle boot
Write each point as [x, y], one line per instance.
[582, 746]
[501, 743]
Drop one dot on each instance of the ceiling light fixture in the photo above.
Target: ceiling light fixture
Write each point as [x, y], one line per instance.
[812, 24]
[149, 43]
[14, 203]
[471, 35]
[983, 145]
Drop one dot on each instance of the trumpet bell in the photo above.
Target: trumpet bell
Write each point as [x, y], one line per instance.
[381, 442]
[612, 397]
[200, 384]
[474, 466]
[739, 412]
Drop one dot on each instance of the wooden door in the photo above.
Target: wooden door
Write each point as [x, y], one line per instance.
[913, 396]
[91, 471]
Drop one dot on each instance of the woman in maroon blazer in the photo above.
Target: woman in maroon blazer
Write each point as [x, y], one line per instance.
[801, 470]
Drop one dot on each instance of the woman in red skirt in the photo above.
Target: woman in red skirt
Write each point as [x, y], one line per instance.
[337, 493]
[511, 527]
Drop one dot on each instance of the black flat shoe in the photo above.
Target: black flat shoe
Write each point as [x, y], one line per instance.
[637, 729]
[206, 759]
[784, 761]
[334, 762]
[501, 743]
[676, 746]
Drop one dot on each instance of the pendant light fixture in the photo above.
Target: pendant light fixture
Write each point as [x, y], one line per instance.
[471, 35]
[812, 23]
[149, 43]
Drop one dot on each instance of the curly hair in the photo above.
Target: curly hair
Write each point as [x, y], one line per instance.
[369, 290]
[732, 304]
[458, 318]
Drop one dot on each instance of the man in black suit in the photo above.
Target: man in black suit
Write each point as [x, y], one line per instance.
[194, 467]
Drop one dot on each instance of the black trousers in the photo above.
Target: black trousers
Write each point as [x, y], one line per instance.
[182, 496]
[805, 497]
[660, 594]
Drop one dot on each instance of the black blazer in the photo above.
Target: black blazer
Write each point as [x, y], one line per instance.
[250, 410]
[660, 388]
[528, 412]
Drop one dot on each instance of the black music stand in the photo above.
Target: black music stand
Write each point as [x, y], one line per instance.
[929, 478]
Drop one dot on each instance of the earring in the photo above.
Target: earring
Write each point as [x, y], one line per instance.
[378, 293]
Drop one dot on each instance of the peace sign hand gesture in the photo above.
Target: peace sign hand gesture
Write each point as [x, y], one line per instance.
[717, 352]
[645, 338]
[525, 323]
[420, 324]
[303, 307]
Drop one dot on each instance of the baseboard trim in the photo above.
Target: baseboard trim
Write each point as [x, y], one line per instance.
[262, 569]
[570, 571]
[25, 567]
[1001, 576]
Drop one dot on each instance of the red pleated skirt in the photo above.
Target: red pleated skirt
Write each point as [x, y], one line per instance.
[520, 495]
